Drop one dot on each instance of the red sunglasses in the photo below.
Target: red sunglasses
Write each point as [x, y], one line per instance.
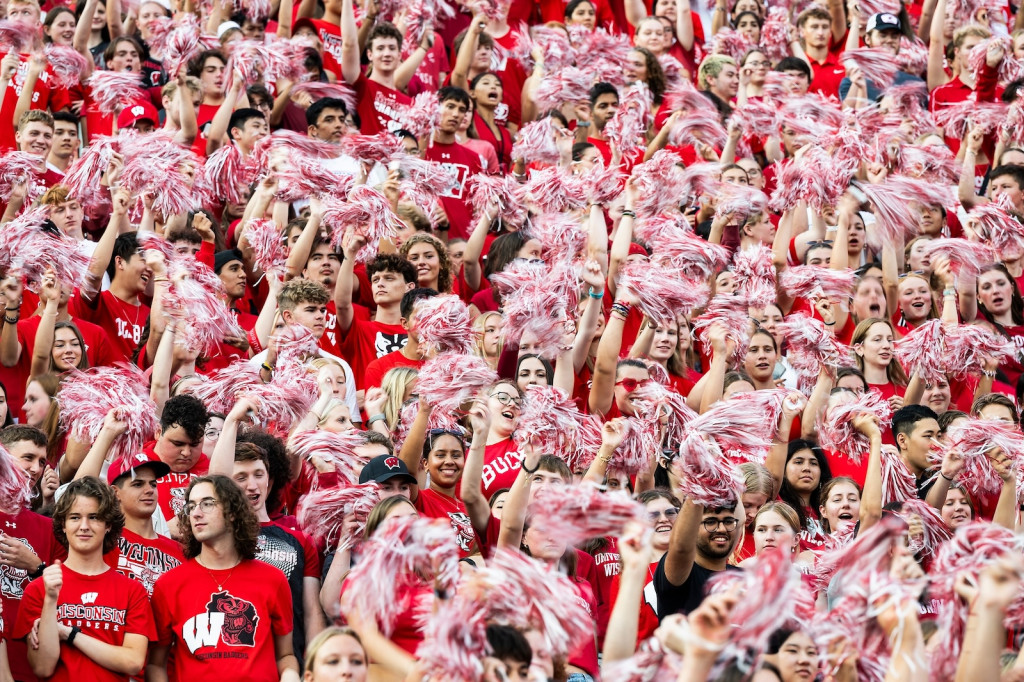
[631, 384]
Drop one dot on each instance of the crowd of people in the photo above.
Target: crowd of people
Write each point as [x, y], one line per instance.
[499, 340]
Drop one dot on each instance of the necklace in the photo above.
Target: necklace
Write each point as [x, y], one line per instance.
[220, 583]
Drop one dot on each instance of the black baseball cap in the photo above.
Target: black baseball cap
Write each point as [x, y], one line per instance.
[222, 258]
[884, 21]
[384, 468]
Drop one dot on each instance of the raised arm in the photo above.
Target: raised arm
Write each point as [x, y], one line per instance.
[937, 48]
[49, 293]
[464, 59]
[223, 460]
[350, 67]
[513, 515]
[412, 447]
[612, 433]
[871, 498]
[351, 243]
[407, 69]
[476, 504]
[602, 390]
[682, 547]
[624, 621]
[105, 247]
[113, 426]
[10, 296]
[684, 25]
[998, 585]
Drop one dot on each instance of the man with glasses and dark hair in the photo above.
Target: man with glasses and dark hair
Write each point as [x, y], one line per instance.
[224, 614]
[702, 542]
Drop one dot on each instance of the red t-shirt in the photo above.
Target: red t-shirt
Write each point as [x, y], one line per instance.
[123, 322]
[462, 164]
[436, 505]
[648, 604]
[428, 76]
[144, 560]
[106, 607]
[221, 625]
[501, 466]
[329, 341]
[330, 36]
[36, 531]
[171, 488]
[98, 348]
[827, 75]
[955, 91]
[368, 340]
[378, 106]
[607, 564]
[376, 370]
[513, 76]
[43, 97]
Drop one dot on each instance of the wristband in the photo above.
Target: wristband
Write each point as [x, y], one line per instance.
[376, 418]
[267, 367]
[599, 295]
[947, 477]
[522, 465]
[949, 291]
[71, 635]
[254, 341]
[628, 213]
[829, 324]
[38, 573]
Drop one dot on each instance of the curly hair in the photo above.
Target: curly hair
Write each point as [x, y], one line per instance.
[189, 413]
[444, 273]
[245, 526]
[109, 510]
[298, 291]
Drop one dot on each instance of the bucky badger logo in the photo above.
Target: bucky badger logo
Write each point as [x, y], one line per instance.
[240, 619]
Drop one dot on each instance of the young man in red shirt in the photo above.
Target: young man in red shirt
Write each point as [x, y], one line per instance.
[362, 340]
[119, 309]
[94, 624]
[291, 551]
[460, 162]
[409, 354]
[27, 544]
[222, 614]
[964, 86]
[179, 446]
[379, 101]
[816, 35]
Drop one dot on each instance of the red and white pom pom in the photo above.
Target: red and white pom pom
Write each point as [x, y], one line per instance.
[267, 242]
[998, 228]
[812, 282]
[17, 168]
[655, 400]
[685, 97]
[835, 425]
[878, 65]
[577, 513]
[286, 399]
[1009, 68]
[443, 325]
[741, 202]
[974, 439]
[755, 275]
[656, 182]
[84, 174]
[339, 451]
[637, 448]
[922, 351]
[775, 35]
[705, 476]
[1013, 126]
[302, 177]
[898, 482]
[536, 142]
[566, 86]
[335, 518]
[112, 90]
[555, 190]
[295, 343]
[503, 192]
[662, 293]
[397, 565]
[754, 117]
[198, 302]
[368, 213]
[770, 590]
[539, 306]
[935, 529]
[731, 43]
[66, 64]
[156, 164]
[632, 119]
[16, 36]
[30, 252]
[699, 127]
[224, 177]
[85, 398]
[257, 10]
[422, 116]
[807, 335]
[969, 347]
[893, 205]
[318, 90]
[450, 379]
[957, 119]
[807, 181]
[548, 421]
[733, 315]
[15, 487]
[966, 258]
[683, 250]
[289, 143]
[561, 236]
[743, 426]
[879, 7]
[381, 147]
[973, 548]
[603, 184]
[931, 163]
[811, 116]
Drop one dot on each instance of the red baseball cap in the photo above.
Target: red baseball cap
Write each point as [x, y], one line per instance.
[140, 110]
[128, 465]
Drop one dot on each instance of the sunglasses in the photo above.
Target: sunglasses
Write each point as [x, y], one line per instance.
[507, 399]
[814, 245]
[631, 384]
[671, 513]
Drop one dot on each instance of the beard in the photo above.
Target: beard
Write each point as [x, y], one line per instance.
[705, 548]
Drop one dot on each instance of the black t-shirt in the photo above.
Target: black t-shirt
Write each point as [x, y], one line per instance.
[686, 597]
[281, 549]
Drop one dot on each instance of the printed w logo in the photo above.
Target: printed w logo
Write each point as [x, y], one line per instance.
[202, 630]
[90, 597]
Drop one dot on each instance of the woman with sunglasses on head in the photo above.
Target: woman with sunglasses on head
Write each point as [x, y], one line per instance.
[441, 454]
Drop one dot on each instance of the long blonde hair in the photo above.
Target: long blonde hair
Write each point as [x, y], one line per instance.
[395, 384]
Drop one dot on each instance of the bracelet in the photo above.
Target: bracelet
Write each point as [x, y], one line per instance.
[947, 477]
[10, 321]
[582, 124]
[71, 635]
[38, 573]
[597, 296]
[829, 324]
[949, 291]
[267, 367]
[522, 464]
[988, 373]
[628, 213]
[160, 279]
[376, 418]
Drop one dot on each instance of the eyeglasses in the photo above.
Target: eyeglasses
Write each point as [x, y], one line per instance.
[711, 525]
[207, 504]
[631, 384]
[507, 399]
[753, 172]
[671, 513]
[765, 63]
